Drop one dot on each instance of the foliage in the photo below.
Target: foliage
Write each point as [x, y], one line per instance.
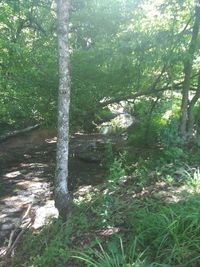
[198, 141]
[116, 170]
[113, 256]
[169, 135]
[109, 157]
[173, 153]
[118, 49]
[47, 249]
[28, 57]
[170, 231]
[193, 178]
[130, 51]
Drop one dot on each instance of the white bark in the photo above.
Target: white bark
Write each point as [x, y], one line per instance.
[61, 188]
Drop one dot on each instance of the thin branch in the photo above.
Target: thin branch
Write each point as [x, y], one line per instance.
[13, 240]
[9, 97]
[146, 92]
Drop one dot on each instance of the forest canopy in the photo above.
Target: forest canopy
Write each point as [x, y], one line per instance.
[138, 51]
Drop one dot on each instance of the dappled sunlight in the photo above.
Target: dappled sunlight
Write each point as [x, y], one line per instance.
[51, 141]
[125, 175]
[29, 182]
[109, 231]
[103, 211]
[34, 165]
[13, 174]
[34, 192]
[84, 189]
[174, 194]
[25, 184]
[85, 194]
[17, 201]
[162, 191]
[168, 114]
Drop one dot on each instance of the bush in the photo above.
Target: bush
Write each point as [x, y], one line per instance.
[169, 135]
[173, 153]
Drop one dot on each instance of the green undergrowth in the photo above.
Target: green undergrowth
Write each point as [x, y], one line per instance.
[147, 213]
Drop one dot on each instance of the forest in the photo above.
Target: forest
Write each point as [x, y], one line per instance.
[100, 133]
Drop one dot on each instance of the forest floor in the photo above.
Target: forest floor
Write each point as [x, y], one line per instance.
[27, 168]
[143, 212]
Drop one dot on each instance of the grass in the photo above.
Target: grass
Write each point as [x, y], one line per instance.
[172, 232]
[146, 213]
[114, 257]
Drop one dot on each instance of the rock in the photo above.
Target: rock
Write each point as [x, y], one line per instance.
[44, 213]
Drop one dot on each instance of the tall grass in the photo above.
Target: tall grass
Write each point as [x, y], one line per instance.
[171, 233]
[114, 257]
[167, 235]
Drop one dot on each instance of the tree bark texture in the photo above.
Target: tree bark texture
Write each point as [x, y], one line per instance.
[61, 179]
[188, 72]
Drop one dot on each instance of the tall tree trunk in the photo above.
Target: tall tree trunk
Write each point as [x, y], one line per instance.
[190, 125]
[188, 71]
[61, 180]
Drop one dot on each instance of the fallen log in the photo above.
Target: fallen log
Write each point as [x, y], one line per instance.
[17, 132]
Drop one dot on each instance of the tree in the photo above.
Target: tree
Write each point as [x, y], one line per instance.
[186, 107]
[119, 51]
[28, 65]
[61, 185]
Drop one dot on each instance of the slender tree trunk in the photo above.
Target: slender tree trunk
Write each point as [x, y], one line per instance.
[61, 179]
[187, 73]
[191, 110]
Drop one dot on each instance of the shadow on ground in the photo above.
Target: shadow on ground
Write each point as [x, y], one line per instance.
[26, 178]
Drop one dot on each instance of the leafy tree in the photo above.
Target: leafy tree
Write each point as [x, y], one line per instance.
[119, 51]
[186, 107]
[28, 61]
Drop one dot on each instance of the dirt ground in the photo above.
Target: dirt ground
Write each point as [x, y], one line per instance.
[27, 167]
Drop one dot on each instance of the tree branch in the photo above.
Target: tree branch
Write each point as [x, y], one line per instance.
[151, 90]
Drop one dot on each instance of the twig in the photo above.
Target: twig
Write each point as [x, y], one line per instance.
[12, 242]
